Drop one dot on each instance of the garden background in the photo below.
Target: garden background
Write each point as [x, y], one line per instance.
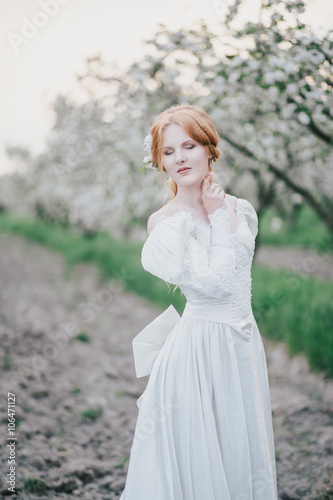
[73, 221]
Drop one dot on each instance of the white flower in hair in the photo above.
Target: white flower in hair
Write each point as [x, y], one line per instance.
[148, 159]
[147, 143]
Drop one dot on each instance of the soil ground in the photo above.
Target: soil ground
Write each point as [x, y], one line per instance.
[76, 399]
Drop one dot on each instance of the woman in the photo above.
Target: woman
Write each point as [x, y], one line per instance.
[204, 429]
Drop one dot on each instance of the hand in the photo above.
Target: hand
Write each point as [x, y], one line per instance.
[213, 196]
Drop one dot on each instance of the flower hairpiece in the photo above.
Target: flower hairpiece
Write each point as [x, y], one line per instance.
[148, 159]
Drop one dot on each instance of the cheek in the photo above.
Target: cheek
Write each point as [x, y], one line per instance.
[200, 155]
[202, 158]
[167, 160]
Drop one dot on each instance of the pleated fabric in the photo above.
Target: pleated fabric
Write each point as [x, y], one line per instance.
[204, 429]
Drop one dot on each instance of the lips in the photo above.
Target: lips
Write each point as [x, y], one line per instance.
[183, 169]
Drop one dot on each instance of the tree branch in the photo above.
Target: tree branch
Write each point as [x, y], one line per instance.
[324, 214]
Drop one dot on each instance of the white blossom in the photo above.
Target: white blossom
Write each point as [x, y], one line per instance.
[99, 142]
[292, 88]
[234, 77]
[254, 64]
[303, 118]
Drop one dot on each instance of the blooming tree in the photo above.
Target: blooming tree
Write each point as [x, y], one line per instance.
[267, 87]
[286, 72]
[269, 91]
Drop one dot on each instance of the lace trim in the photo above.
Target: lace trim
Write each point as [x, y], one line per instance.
[217, 279]
[221, 217]
[223, 214]
[204, 224]
[243, 291]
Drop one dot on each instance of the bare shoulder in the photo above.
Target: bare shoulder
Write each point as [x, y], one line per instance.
[167, 210]
[152, 221]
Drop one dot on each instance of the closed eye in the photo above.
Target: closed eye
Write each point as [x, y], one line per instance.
[190, 146]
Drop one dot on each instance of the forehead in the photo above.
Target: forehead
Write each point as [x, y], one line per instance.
[175, 134]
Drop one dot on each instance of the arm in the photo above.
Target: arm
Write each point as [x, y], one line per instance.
[173, 254]
[222, 253]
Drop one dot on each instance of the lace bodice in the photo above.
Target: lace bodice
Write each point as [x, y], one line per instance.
[206, 260]
[242, 241]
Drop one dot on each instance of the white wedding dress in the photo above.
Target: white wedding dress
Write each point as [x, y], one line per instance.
[204, 428]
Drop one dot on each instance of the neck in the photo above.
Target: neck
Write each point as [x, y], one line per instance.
[190, 197]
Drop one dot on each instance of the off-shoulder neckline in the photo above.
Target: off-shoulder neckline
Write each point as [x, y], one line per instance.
[201, 221]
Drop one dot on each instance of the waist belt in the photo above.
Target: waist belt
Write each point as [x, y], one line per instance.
[213, 311]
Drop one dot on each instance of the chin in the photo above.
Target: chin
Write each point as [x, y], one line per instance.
[190, 181]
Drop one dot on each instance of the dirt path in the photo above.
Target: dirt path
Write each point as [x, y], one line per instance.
[76, 401]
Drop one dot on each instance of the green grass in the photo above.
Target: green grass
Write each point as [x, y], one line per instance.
[115, 258]
[75, 390]
[83, 337]
[35, 485]
[308, 231]
[91, 414]
[121, 464]
[7, 362]
[298, 311]
[286, 306]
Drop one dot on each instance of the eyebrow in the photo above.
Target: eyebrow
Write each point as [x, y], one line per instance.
[188, 140]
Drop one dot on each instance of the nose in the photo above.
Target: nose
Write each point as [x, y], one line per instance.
[180, 157]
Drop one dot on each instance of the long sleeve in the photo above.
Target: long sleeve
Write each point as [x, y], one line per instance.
[250, 216]
[221, 251]
[173, 254]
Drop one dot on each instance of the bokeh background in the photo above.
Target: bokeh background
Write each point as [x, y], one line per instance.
[80, 86]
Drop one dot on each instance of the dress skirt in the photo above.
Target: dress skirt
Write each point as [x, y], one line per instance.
[204, 429]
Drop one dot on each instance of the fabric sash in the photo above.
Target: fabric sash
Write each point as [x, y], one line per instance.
[148, 343]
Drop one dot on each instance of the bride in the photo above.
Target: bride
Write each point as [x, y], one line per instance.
[204, 428]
